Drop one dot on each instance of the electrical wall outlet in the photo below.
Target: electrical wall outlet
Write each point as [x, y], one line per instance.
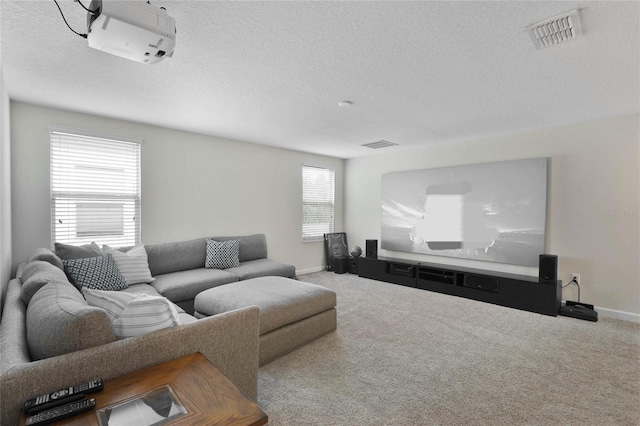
[576, 277]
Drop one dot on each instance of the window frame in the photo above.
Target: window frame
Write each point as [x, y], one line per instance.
[329, 203]
[132, 195]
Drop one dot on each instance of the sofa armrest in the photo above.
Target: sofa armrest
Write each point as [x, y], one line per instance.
[229, 341]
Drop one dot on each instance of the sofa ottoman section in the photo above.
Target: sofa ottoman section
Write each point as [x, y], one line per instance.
[292, 313]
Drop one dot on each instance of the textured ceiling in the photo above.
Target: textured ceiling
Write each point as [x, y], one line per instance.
[273, 73]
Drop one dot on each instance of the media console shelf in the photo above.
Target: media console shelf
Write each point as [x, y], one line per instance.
[511, 290]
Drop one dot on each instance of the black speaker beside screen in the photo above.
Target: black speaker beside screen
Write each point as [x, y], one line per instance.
[548, 268]
[372, 249]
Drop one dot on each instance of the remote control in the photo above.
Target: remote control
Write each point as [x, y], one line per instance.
[54, 414]
[62, 396]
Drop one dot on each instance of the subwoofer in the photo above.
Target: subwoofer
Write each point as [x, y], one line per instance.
[548, 268]
[353, 265]
[480, 282]
[341, 265]
[372, 249]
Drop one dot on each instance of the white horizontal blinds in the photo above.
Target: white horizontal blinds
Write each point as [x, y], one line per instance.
[318, 188]
[95, 190]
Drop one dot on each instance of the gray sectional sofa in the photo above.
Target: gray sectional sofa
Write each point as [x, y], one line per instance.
[55, 339]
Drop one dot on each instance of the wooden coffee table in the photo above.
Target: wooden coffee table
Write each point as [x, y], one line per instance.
[208, 396]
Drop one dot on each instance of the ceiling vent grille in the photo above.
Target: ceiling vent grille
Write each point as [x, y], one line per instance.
[380, 144]
[556, 30]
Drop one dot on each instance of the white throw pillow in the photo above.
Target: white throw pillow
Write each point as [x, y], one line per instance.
[133, 265]
[133, 314]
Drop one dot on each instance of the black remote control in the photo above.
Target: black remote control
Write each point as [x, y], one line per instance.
[61, 412]
[62, 396]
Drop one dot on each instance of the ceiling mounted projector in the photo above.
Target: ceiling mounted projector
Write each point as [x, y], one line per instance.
[131, 29]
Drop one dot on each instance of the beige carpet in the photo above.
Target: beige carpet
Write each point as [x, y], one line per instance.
[404, 356]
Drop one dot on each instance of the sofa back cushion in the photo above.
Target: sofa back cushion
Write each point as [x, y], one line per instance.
[46, 255]
[60, 321]
[252, 247]
[37, 274]
[179, 256]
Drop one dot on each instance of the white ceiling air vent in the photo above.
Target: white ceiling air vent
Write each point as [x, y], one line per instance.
[556, 30]
[380, 144]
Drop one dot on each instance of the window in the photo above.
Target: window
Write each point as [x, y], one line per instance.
[95, 189]
[317, 202]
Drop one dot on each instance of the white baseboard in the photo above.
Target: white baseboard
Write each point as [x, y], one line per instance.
[310, 270]
[612, 313]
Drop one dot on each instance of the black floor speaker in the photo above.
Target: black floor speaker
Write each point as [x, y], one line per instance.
[371, 249]
[548, 268]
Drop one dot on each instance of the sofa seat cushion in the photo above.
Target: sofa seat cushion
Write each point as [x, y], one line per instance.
[185, 318]
[148, 289]
[185, 285]
[282, 301]
[262, 267]
[142, 288]
[60, 321]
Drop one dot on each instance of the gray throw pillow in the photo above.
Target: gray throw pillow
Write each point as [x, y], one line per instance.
[222, 254]
[98, 273]
[67, 251]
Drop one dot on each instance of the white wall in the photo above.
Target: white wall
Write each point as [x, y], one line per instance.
[594, 170]
[192, 185]
[5, 191]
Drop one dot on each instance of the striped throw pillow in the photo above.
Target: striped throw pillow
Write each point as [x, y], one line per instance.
[133, 265]
[133, 314]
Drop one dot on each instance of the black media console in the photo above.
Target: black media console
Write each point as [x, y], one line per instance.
[514, 291]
